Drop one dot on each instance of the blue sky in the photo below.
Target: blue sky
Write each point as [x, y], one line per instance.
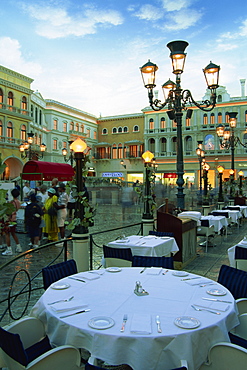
[87, 54]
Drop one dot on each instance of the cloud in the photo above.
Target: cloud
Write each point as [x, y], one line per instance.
[149, 13]
[12, 58]
[55, 22]
[171, 5]
[183, 19]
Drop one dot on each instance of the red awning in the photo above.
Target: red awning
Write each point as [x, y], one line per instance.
[46, 171]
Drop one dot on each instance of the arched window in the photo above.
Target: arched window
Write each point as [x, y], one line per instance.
[82, 128]
[219, 117]
[55, 124]
[71, 126]
[188, 144]
[174, 144]
[95, 135]
[205, 119]
[64, 126]
[40, 117]
[187, 122]
[9, 130]
[104, 131]
[114, 130]
[1, 96]
[10, 100]
[77, 127]
[162, 123]
[125, 129]
[120, 151]
[24, 103]
[212, 119]
[120, 130]
[227, 117]
[114, 151]
[219, 98]
[151, 145]
[36, 115]
[136, 128]
[54, 144]
[151, 124]
[23, 132]
[1, 128]
[163, 143]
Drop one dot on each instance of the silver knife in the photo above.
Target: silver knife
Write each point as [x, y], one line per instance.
[73, 278]
[143, 270]
[75, 313]
[216, 300]
[158, 324]
[198, 277]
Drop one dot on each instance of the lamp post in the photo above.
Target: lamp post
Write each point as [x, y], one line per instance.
[65, 152]
[80, 233]
[177, 99]
[147, 217]
[206, 167]
[26, 149]
[201, 158]
[220, 195]
[240, 174]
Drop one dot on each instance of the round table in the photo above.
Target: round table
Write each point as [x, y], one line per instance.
[111, 294]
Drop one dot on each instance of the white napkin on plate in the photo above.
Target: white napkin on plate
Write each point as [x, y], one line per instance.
[67, 306]
[217, 306]
[154, 270]
[141, 324]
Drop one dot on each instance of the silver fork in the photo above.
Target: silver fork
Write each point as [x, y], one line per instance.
[125, 318]
[62, 300]
[204, 309]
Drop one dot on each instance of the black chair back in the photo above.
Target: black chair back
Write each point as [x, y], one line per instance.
[205, 223]
[234, 280]
[161, 233]
[147, 261]
[240, 253]
[121, 253]
[56, 272]
[215, 213]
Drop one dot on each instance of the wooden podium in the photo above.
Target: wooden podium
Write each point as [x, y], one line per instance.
[184, 231]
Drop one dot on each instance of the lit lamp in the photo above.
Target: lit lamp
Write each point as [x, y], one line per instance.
[177, 99]
[201, 158]
[240, 174]
[231, 172]
[206, 167]
[147, 213]
[80, 233]
[65, 152]
[26, 148]
[220, 195]
[122, 163]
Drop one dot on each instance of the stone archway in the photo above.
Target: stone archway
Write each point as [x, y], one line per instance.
[13, 169]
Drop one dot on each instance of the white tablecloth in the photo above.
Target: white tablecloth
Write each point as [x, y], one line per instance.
[193, 215]
[112, 295]
[150, 245]
[217, 221]
[231, 252]
[234, 215]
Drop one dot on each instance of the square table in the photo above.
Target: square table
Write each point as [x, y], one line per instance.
[217, 221]
[231, 252]
[149, 245]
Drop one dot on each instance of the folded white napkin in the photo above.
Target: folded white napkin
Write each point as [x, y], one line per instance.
[197, 281]
[141, 324]
[88, 276]
[154, 270]
[67, 306]
[217, 306]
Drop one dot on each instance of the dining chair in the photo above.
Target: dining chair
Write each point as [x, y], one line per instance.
[234, 280]
[119, 257]
[238, 335]
[56, 272]
[226, 356]
[88, 366]
[24, 345]
[242, 305]
[226, 215]
[205, 230]
[161, 233]
[241, 258]
[151, 261]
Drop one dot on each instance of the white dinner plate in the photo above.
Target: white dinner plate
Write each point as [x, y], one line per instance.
[101, 322]
[121, 241]
[187, 322]
[60, 286]
[216, 292]
[113, 269]
[180, 273]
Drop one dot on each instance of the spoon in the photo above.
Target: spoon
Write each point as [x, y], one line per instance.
[62, 300]
[204, 309]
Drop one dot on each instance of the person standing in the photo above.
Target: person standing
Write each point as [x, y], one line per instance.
[33, 215]
[25, 191]
[50, 216]
[43, 193]
[10, 226]
[61, 206]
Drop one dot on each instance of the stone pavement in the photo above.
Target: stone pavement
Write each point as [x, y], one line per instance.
[108, 217]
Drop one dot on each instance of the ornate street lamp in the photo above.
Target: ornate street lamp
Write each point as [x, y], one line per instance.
[148, 157]
[240, 174]
[201, 158]
[206, 167]
[26, 149]
[220, 195]
[122, 163]
[65, 152]
[177, 99]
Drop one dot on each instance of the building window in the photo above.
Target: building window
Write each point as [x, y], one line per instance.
[1, 96]
[187, 122]
[219, 117]
[205, 119]
[174, 144]
[120, 130]
[54, 144]
[114, 130]
[1, 128]
[174, 124]
[133, 151]
[219, 98]
[24, 104]
[55, 124]
[125, 129]
[77, 127]
[227, 117]
[31, 110]
[39, 140]
[104, 131]
[82, 128]
[114, 151]
[151, 124]
[36, 115]
[136, 128]
[9, 130]
[10, 100]
[188, 143]
[120, 151]
[152, 145]
[64, 126]
[64, 144]
[23, 132]
[40, 117]
[163, 145]
[71, 126]
[88, 132]
[95, 135]
[212, 119]
[162, 123]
